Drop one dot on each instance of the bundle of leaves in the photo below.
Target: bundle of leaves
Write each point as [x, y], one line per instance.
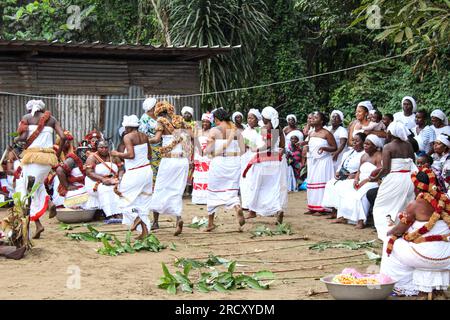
[196, 264]
[149, 243]
[213, 281]
[347, 244]
[280, 229]
[93, 235]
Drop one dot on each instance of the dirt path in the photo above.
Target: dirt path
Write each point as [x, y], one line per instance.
[45, 272]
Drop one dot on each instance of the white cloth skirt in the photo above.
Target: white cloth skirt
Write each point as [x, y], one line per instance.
[169, 186]
[245, 183]
[105, 198]
[136, 189]
[320, 171]
[223, 183]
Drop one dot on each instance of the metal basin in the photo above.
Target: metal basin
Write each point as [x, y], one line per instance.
[357, 291]
[74, 216]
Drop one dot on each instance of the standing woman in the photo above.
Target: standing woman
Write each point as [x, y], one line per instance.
[320, 163]
[407, 116]
[237, 119]
[340, 135]
[148, 126]
[361, 114]
[397, 189]
[252, 141]
[292, 124]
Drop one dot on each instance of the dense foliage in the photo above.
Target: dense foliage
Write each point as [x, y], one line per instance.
[280, 40]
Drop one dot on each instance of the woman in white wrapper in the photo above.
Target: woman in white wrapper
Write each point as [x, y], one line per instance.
[396, 189]
[417, 253]
[347, 170]
[102, 174]
[173, 169]
[36, 130]
[340, 135]
[320, 164]
[353, 204]
[135, 186]
[252, 141]
[267, 178]
[225, 145]
[201, 161]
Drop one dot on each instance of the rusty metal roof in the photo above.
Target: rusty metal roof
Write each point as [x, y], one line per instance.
[109, 50]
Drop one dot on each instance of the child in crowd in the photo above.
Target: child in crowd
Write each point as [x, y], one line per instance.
[375, 123]
[387, 119]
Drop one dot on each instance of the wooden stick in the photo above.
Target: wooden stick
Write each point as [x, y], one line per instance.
[249, 241]
[303, 260]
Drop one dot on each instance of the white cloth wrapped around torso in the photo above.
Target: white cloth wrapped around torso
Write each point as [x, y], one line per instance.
[201, 169]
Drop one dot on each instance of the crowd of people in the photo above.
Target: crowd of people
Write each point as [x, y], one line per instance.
[393, 170]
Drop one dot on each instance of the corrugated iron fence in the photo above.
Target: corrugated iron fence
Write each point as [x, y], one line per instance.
[82, 113]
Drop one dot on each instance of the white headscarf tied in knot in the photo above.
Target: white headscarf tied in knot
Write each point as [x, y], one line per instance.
[130, 121]
[377, 141]
[149, 104]
[441, 115]
[121, 131]
[444, 139]
[413, 102]
[291, 116]
[295, 133]
[398, 129]
[366, 104]
[237, 113]
[339, 113]
[256, 113]
[271, 114]
[187, 109]
[208, 116]
[35, 106]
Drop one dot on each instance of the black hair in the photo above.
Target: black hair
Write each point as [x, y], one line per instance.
[324, 117]
[221, 114]
[429, 159]
[423, 177]
[424, 112]
[361, 135]
[389, 115]
[378, 113]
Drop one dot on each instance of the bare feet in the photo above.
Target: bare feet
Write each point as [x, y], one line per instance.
[333, 215]
[360, 225]
[280, 216]
[52, 210]
[38, 232]
[136, 222]
[251, 215]
[240, 215]
[179, 228]
[340, 220]
[155, 226]
[210, 228]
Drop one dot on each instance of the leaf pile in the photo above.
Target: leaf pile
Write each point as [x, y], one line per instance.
[213, 281]
[265, 231]
[347, 244]
[93, 235]
[149, 243]
[197, 223]
[210, 262]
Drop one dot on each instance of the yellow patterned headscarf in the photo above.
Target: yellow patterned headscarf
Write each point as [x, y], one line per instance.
[164, 106]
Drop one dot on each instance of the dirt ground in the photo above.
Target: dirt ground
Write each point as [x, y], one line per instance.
[47, 270]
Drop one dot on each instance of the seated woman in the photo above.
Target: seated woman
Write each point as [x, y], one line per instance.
[347, 170]
[417, 254]
[353, 204]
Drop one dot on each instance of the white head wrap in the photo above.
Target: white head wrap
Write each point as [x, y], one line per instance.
[208, 116]
[35, 106]
[237, 113]
[187, 109]
[149, 104]
[291, 116]
[366, 104]
[339, 113]
[256, 113]
[378, 142]
[441, 115]
[372, 111]
[295, 133]
[444, 139]
[398, 129]
[130, 121]
[271, 114]
[121, 131]
[413, 102]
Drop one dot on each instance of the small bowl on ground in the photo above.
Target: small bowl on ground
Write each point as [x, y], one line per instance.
[358, 291]
[74, 216]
